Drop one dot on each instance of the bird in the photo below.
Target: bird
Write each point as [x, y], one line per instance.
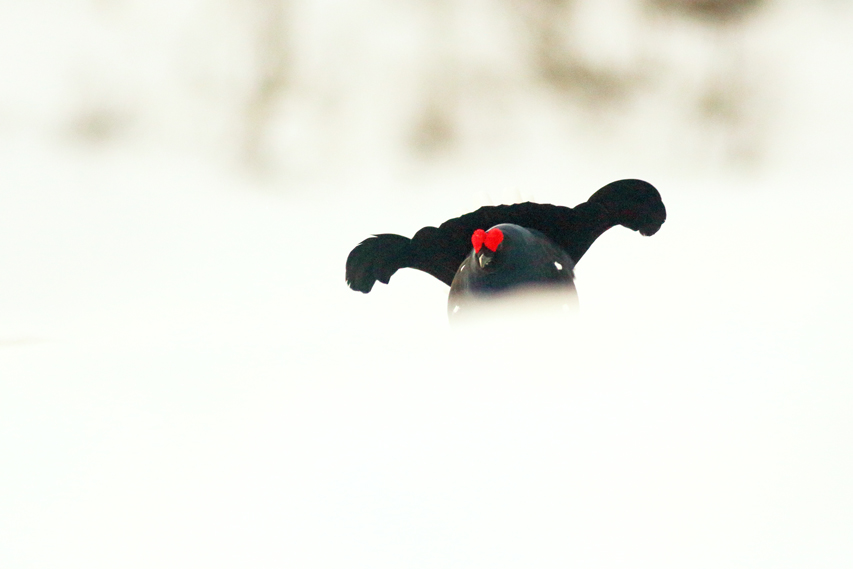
[498, 249]
[509, 262]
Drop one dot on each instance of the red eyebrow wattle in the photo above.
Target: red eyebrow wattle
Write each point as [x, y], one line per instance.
[477, 239]
[493, 239]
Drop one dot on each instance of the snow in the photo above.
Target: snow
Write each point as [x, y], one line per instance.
[186, 381]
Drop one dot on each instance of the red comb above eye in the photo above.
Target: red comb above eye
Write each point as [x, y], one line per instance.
[490, 239]
[493, 239]
[477, 239]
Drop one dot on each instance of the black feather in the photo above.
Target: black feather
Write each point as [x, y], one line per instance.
[376, 259]
[440, 250]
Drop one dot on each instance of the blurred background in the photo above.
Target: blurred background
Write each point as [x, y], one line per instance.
[364, 91]
[185, 379]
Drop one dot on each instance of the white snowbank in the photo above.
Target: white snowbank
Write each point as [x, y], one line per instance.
[185, 379]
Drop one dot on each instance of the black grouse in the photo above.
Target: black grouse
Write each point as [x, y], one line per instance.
[497, 249]
[507, 259]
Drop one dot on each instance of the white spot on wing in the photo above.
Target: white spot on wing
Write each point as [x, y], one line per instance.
[558, 265]
[455, 309]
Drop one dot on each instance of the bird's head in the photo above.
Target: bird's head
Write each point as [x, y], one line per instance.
[486, 244]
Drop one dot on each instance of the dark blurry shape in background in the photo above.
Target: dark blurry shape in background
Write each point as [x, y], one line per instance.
[272, 58]
[710, 11]
[312, 88]
[551, 27]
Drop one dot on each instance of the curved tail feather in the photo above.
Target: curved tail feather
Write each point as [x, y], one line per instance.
[376, 259]
[439, 251]
[633, 203]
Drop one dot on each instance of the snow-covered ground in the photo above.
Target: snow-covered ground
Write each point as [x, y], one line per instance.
[186, 381]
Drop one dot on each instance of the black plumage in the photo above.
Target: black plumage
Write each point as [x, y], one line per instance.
[524, 261]
[441, 250]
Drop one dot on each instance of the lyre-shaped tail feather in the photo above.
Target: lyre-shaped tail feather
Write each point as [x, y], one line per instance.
[376, 259]
[634, 204]
[439, 251]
